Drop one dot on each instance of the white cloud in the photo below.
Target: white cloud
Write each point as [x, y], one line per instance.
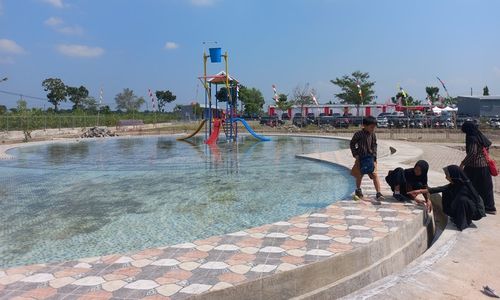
[203, 2]
[55, 3]
[57, 24]
[74, 50]
[9, 46]
[53, 22]
[171, 45]
[70, 30]
[6, 60]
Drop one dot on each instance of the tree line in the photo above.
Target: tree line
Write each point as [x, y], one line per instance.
[355, 89]
[127, 101]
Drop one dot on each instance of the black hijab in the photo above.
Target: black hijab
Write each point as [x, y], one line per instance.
[412, 179]
[473, 134]
[462, 187]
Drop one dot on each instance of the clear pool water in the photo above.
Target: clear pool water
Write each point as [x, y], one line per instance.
[63, 201]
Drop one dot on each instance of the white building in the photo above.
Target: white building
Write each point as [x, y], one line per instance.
[343, 109]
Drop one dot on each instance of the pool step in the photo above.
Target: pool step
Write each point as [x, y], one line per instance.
[340, 275]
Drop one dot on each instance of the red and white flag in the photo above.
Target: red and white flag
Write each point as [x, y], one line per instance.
[314, 99]
[153, 99]
[276, 97]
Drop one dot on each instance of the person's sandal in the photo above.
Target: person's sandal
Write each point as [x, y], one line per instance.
[358, 195]
[491, 212]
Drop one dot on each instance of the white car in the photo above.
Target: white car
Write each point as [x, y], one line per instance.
[382, 122]
[494, 123]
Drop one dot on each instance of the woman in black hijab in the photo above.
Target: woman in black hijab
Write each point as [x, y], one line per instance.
[475, 164]
[403, 181]
[461, 201]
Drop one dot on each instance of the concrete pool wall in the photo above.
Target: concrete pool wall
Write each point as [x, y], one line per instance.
[320, 255]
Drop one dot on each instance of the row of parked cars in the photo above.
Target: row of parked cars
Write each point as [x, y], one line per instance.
[335, 120]
[384, 120]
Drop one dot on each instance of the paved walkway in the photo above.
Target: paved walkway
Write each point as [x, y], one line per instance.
[180, 271]
[457, 266]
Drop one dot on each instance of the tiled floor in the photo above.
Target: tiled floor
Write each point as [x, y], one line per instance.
[180, 271]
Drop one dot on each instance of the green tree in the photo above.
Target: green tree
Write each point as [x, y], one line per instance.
[302, 96]
[77, 95]
[486, 91]
[252, 99]
[448, 101]
[222, 95]
[164, 97]
[406, 99]
[432, 93]
[56, 91]
[178, 108]
[21, 106]
[197, 111]
[90, 104]
[105, 109]
[350, 85]
[283, 104]
[3, 109]
[128, 101]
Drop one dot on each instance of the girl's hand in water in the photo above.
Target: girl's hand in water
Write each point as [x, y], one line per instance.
[428, 204]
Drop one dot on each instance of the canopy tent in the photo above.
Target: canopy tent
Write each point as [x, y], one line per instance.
[450, 109]
[436, 110]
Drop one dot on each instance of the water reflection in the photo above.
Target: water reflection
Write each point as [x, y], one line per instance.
[60, 153]
[128, 146]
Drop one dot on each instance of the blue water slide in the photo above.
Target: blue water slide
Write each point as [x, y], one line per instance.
[250, 130]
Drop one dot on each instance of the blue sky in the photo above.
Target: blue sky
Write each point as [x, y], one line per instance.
[157, 44]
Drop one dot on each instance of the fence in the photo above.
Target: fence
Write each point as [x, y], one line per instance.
[33, 122]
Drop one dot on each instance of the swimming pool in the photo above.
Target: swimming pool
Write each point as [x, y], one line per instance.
[66, 200]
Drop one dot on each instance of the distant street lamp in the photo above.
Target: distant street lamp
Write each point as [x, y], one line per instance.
[4, 79]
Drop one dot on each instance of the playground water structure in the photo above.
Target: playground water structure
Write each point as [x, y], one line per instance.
[216, 117]
[63, 200]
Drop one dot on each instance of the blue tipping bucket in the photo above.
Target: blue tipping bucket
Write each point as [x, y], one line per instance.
[215, 55]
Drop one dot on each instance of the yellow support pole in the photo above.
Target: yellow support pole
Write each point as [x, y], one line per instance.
[227, 73]
[226, 60]
[207, 95]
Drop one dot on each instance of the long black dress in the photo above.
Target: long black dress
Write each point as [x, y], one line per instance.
[407, 180]
[475, 164]
[461, 201]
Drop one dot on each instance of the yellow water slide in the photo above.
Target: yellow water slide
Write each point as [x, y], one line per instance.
[194, 133]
